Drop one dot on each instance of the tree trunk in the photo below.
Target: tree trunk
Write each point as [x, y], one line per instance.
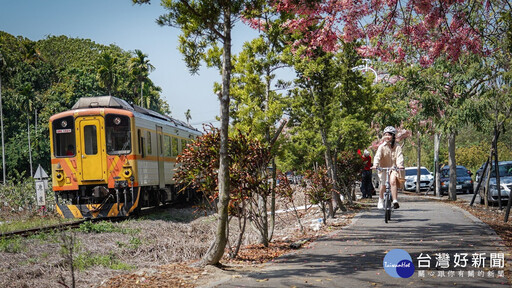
[496, 165]
[487, 178]
[141, 94]
[452, 189]
[262, 198]
[437, 177]
[418, 161]
[262, 211]
[273, 201]
[331, 169]
[216, 250]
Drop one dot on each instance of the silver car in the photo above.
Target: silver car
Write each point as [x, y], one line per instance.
[426, 179]
[505, 169]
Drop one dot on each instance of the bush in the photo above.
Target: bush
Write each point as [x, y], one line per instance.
[349, 166]
[19, 196]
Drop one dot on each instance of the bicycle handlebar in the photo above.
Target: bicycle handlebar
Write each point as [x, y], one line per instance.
[387, 168]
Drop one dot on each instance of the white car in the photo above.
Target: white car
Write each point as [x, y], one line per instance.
[426, 179]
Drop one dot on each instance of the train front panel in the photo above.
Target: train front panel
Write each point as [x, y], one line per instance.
[92, 161]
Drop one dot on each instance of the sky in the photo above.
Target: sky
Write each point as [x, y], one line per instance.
[130, 27]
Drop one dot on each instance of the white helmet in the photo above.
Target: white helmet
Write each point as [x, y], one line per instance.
[390, 129]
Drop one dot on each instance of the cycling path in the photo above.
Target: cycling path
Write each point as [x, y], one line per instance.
[353, 256]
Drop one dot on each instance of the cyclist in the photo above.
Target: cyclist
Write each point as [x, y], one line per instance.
[389, 154]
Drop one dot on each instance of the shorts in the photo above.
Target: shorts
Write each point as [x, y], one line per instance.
[399, 174]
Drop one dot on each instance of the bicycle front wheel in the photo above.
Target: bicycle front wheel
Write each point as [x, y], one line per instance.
[387, 209]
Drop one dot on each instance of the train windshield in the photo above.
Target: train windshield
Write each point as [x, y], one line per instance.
[64, 137]
[118, 134]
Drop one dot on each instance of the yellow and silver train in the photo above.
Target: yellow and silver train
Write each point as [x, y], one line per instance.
[110, 158]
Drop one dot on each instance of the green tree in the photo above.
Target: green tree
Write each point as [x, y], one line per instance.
[58, 70]
[107, 72]
[25, 103]
[257, 107]
[188, 116]
[204, 24]
[451, 94]
[333, 106]
[140, 69]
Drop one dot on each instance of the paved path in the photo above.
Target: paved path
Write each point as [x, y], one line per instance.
[353, 256]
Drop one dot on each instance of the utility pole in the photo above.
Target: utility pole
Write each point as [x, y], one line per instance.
[2, 128]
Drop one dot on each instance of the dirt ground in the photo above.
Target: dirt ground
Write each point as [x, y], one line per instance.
[153, 251]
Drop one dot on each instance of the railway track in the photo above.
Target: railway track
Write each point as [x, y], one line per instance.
[76, 224]
[32, 231]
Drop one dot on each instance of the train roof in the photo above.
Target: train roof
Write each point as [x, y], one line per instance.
[114, 102]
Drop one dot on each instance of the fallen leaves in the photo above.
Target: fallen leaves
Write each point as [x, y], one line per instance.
[172, 275]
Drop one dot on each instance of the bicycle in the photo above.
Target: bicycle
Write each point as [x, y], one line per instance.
[387, 194]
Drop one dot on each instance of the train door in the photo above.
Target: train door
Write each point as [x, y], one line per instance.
[89, 149]
[160, 156]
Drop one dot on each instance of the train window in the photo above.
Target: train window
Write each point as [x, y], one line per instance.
[167, 146]
[64, 137]
[142, 152]
[183, 144]
[139, 137]
[174, 147]
[161, 144]
[150, 152]
[90, 140]
[118, 134]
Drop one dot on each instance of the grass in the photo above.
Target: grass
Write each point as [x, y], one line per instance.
[12, 245]
[33, 222]
[105, 227]
[84, 261]
[134, 243]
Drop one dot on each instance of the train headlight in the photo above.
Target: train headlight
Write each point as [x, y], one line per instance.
[127, 172]
[59, 176]
[59, 173]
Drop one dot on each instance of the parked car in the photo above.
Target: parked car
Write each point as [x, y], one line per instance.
[464, 182]
[505, 169]
[426, 179]
[480, 170]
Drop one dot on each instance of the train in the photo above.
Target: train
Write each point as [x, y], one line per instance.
[110, 158]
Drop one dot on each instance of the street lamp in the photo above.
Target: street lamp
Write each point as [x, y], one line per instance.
[366, 67]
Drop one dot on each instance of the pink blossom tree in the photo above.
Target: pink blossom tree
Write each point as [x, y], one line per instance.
[413, 31]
